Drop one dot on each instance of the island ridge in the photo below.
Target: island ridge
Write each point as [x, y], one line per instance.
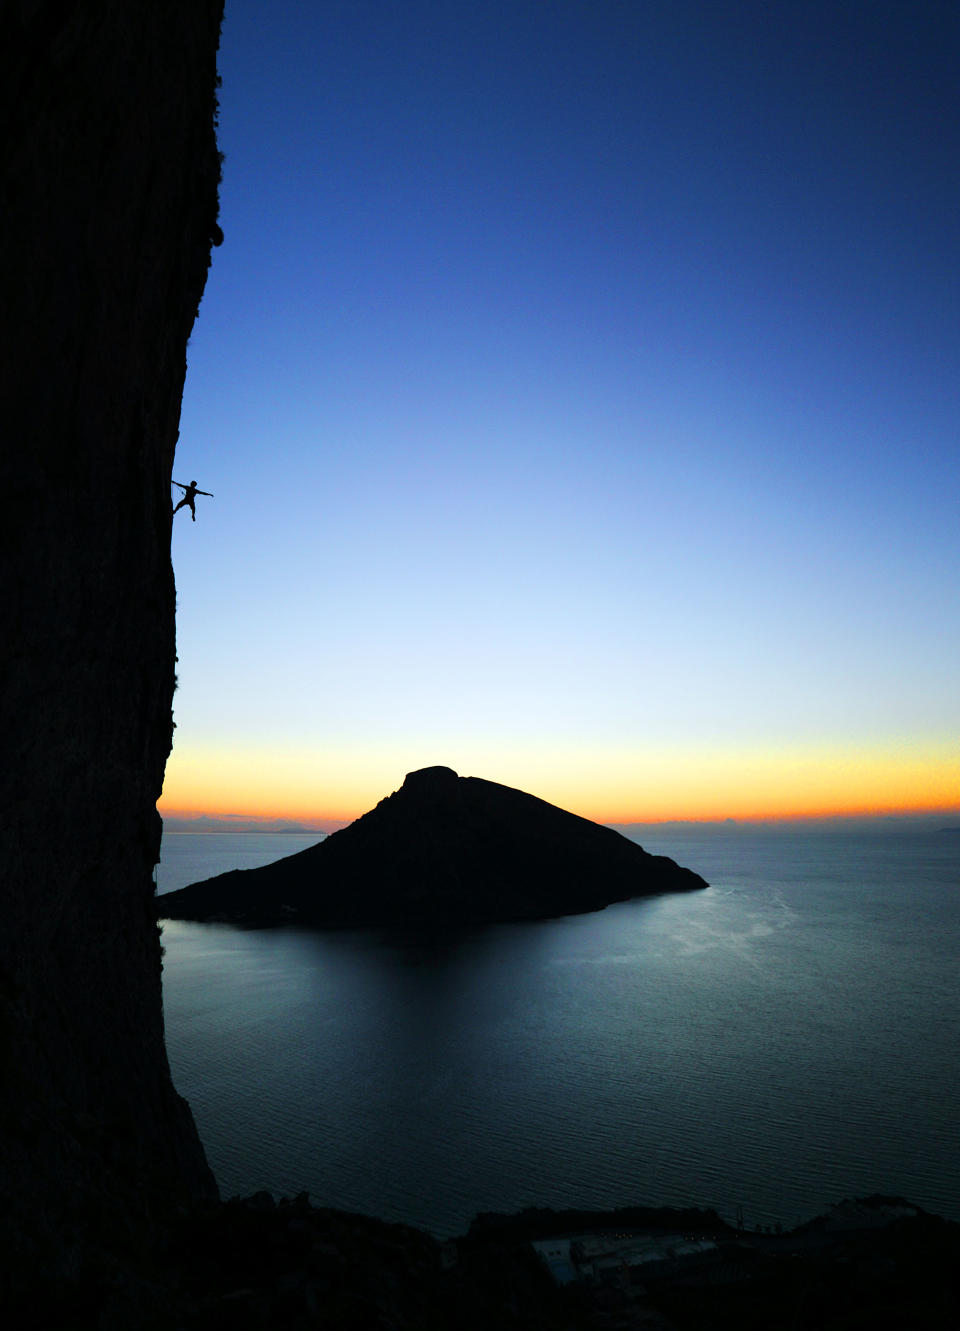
[443, 849]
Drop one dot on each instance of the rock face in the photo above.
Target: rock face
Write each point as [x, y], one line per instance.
[444, 849]
[108, 190]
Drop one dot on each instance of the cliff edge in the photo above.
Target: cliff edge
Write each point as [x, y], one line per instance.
[108, 189]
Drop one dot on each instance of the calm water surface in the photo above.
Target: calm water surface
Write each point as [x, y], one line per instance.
[782, 1040]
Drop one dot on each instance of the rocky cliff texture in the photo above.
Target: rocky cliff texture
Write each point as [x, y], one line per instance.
[108, 193]
[444, 849]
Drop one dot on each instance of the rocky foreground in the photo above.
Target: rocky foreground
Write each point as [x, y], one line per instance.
[443, 849]
[254, 1263]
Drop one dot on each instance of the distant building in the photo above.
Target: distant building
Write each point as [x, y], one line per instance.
[555, 1254]
[623, 1257]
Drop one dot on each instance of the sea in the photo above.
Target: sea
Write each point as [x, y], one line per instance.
[786, 1038]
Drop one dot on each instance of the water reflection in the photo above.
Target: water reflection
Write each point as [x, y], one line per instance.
[753, 1043]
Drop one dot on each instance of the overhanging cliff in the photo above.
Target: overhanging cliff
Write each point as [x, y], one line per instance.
[108, 193]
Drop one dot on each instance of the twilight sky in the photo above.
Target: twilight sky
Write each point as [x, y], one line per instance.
[578, 386]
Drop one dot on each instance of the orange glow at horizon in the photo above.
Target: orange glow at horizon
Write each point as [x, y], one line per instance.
[608, 787]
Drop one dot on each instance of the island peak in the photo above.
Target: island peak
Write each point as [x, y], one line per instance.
[437, 779]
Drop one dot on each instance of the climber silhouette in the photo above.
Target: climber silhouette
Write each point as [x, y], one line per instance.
[190, 493]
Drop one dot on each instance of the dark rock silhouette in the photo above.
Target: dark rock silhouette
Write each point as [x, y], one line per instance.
[444, 849]
[108, 190]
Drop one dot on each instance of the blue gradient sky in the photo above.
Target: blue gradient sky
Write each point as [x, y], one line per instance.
[578, 385]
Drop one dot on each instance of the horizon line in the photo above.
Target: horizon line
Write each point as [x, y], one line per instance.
[328, 822]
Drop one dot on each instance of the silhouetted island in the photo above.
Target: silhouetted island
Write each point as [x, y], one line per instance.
[443, 849]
